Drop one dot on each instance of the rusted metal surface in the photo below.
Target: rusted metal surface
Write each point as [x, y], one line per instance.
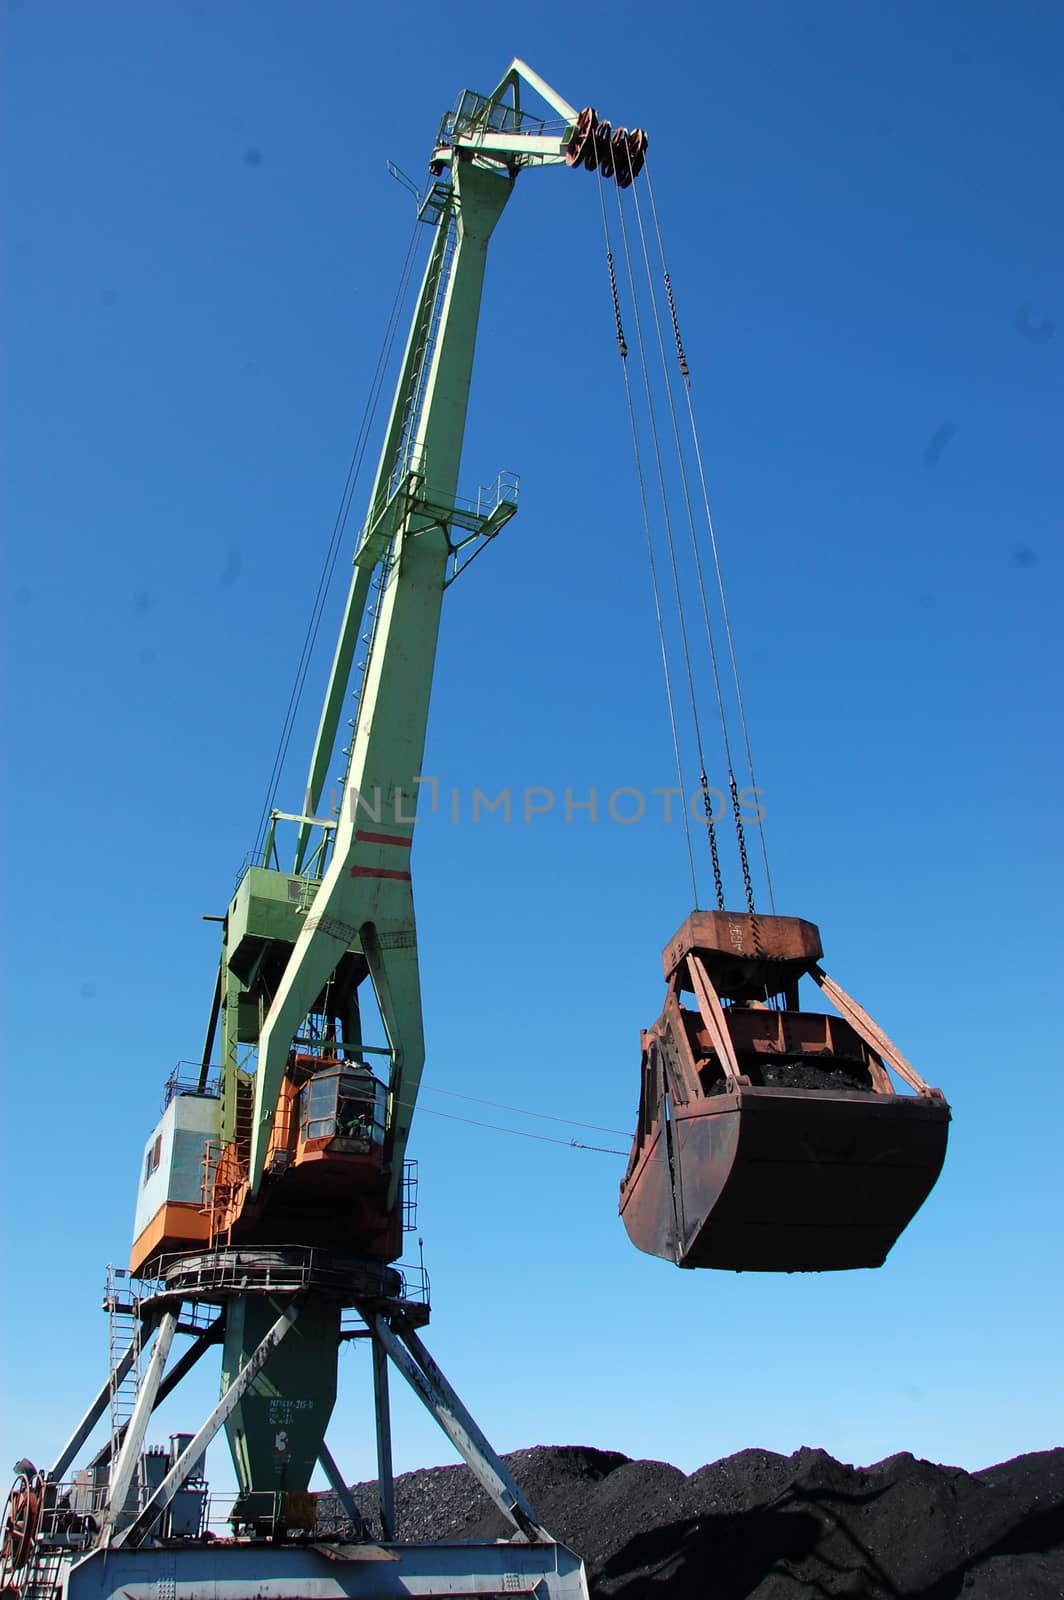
[726, 940]
[616, 152]
[771, 1138]
[21, 1526]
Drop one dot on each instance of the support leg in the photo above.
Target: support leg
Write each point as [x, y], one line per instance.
[429, 1383]
[383, 1412]
[180, 1470]
[340, 1489]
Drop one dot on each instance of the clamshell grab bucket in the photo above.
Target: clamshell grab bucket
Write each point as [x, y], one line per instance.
[772, 1139]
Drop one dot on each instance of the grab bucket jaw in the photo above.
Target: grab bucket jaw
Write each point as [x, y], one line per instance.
[770, 1138]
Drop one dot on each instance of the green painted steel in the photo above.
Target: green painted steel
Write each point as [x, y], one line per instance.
[365, 895]
[276, 1429]
[298, 944]
[358, 593]
[346, 912]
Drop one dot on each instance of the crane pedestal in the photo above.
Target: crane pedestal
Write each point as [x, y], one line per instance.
[135, 1524]
[334, 1572]
[275, 1424]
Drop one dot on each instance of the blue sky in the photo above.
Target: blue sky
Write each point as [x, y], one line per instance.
[862, 210]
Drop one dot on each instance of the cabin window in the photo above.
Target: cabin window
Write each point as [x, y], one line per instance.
[153, 1157]
[345, 1104]
[318, 1107]
[356, 1114]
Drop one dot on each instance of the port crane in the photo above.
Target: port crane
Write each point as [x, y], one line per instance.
[272, 1191]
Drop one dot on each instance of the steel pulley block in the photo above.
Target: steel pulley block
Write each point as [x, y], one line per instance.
[630, 152]
[604, 149]
[586, 123]
[617, 153]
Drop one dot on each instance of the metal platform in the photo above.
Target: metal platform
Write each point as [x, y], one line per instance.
[321, 1571]
[215, 1276]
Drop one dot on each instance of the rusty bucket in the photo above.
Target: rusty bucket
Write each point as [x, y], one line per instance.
[771, 1139]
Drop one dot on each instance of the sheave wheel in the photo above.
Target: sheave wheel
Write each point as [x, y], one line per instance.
[21, 1525]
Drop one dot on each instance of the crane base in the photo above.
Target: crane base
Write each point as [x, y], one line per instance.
[322, 1571]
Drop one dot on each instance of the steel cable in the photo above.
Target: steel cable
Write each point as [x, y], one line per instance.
[712, 535]
[623, 348]
[674, 565]
[696, 552]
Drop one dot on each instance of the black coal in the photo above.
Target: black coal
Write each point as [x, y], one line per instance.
[759, 1526]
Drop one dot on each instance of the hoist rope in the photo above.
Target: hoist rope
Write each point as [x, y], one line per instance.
[623, 349]
[713, 542]
[695, 550]
[332, 552]
[674, 567]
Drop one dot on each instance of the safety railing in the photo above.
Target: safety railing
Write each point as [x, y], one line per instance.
[74, 1511]
[190, 1077]
[477, 113]
[205, 1279]
[266, 856]
[490, 496]
[409, 1195]
[414, 1296]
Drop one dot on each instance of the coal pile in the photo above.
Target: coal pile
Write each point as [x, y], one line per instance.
[760, 1526]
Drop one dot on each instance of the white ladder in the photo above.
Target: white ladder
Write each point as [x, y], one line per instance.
[123, 1330]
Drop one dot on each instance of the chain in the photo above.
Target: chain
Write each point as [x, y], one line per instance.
[621, 345]
[681, 356]
[711, 828]
[744, 862]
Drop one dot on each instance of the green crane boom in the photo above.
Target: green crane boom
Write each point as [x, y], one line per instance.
[298, 944]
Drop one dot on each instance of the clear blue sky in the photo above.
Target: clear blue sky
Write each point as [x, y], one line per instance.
[862, 208]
